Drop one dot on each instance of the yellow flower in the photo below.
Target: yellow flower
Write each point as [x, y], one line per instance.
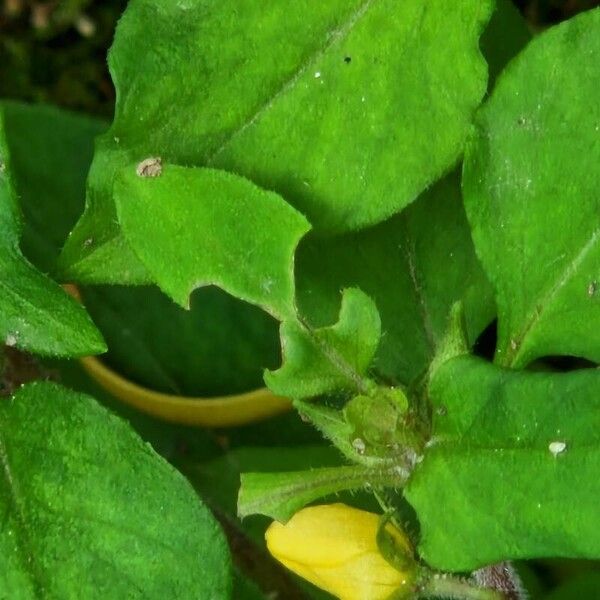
[334, 546]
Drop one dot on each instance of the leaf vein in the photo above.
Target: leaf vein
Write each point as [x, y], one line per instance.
[409, 254]
[334, 36]
[534, 318]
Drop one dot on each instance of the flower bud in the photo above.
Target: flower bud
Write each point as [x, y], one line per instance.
[334, 546]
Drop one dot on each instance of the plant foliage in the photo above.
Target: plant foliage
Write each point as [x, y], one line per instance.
[340, 167]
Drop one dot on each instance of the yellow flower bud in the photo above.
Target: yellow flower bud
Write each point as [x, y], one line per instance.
[334, 546]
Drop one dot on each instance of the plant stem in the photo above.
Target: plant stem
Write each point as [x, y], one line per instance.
[444, 586]
[386, 506]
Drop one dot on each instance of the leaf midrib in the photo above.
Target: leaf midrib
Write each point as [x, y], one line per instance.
[343, 478]
[413, 271]
[512, 356]
[339, 33]
[335, 359]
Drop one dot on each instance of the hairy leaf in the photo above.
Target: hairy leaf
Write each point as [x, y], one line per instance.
[193, 227]
[531, 194]
[334, 106]
[280, 495]
[512, 468]
[414, 266]
[35, 313]
[331, 358]
[51, 151]
[89, 510]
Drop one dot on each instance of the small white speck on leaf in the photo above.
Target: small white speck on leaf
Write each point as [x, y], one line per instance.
[359, 445]
[513, 345]
[317, 74]
[592, 288]
[87, 243]
[2, 167]
[150, 167]
[557, 448]
[11, 339]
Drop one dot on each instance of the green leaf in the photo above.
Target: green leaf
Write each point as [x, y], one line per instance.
[497, 465]
[454, 342]
[533, 201]
[220, 346]
[35, 313]
[51, 151]
[280, 495]
[195, 227]
[506, 35]
[89, 510]
[332, 358]
[415, 267]
[332, 106]
[334, 427]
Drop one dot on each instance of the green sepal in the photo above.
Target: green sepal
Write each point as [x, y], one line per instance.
[396, 553]
[280, 495]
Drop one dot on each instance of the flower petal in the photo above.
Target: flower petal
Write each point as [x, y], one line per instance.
[334, 546]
